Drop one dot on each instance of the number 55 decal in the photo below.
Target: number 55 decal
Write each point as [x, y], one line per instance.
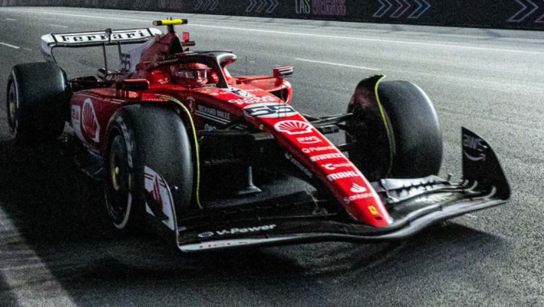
[269, 110]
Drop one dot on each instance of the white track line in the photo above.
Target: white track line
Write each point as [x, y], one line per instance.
[88, 16]
[59, 26]
[11, 19]
[11, 46]
[29, 263]
[337, 64]
[353, 38]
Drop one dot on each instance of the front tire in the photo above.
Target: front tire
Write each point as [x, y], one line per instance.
[397, 132]
[143, 139]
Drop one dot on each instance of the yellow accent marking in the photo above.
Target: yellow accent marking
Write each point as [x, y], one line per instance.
[183, 107]
[168, 22]
[373, 210]
[117, 170]
[388, 128]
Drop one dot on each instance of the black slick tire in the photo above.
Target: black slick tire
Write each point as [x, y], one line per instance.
[396, 132]
[144, 137]
[37, 102]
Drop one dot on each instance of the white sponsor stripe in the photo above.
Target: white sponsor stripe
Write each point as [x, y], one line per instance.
[9, 45]
[457, 46]
[337, 64]
[226, 243]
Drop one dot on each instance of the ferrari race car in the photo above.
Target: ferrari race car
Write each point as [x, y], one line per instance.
[219, 161]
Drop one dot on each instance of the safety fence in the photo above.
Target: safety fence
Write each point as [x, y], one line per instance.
[504, 14]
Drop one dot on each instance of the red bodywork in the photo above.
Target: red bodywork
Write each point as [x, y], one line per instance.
[211, 106]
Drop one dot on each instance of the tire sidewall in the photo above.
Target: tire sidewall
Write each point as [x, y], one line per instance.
[42, 102]
[121, 128]
[154, 137]
[13, 123]
[416, 129]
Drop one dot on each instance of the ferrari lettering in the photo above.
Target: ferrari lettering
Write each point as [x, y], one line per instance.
[101, 37]
[342, 175]
[269, 110]
[327, 157]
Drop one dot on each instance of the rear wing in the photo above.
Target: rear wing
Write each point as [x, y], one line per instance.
[104, 38]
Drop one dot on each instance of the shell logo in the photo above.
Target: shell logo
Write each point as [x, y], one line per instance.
[358, 189]
[157, 192]
[293, 127]
[89, 120]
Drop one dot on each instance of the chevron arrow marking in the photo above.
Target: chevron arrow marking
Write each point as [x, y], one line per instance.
[417, 13]
[377, 13]
[251, 6]
[215, 3]
[198, 5]
[396, 14]
[400, 8]
[540, 19]
[274, 4]
[516, 18]
[261, 7]
[381, 12]
[206, 5]
[419, 6]
[424, 10]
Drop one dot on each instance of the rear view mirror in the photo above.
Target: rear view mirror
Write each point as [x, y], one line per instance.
[133, 85]
[283, 72]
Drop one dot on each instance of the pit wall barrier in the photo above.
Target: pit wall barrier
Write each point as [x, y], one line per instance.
[499, 14]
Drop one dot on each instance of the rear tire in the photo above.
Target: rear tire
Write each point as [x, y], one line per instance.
[37, 102]
[145, 137]
[407, 144]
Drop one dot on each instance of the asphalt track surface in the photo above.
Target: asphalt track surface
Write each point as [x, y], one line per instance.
[55, 248]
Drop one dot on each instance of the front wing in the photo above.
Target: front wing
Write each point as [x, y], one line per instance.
[414, 204]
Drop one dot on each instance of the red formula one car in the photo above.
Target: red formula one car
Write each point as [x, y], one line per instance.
[220, 161]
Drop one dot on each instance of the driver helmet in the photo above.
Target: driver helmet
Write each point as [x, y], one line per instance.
[190, 75]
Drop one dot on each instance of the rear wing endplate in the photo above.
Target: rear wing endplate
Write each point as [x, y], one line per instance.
[95, 39]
